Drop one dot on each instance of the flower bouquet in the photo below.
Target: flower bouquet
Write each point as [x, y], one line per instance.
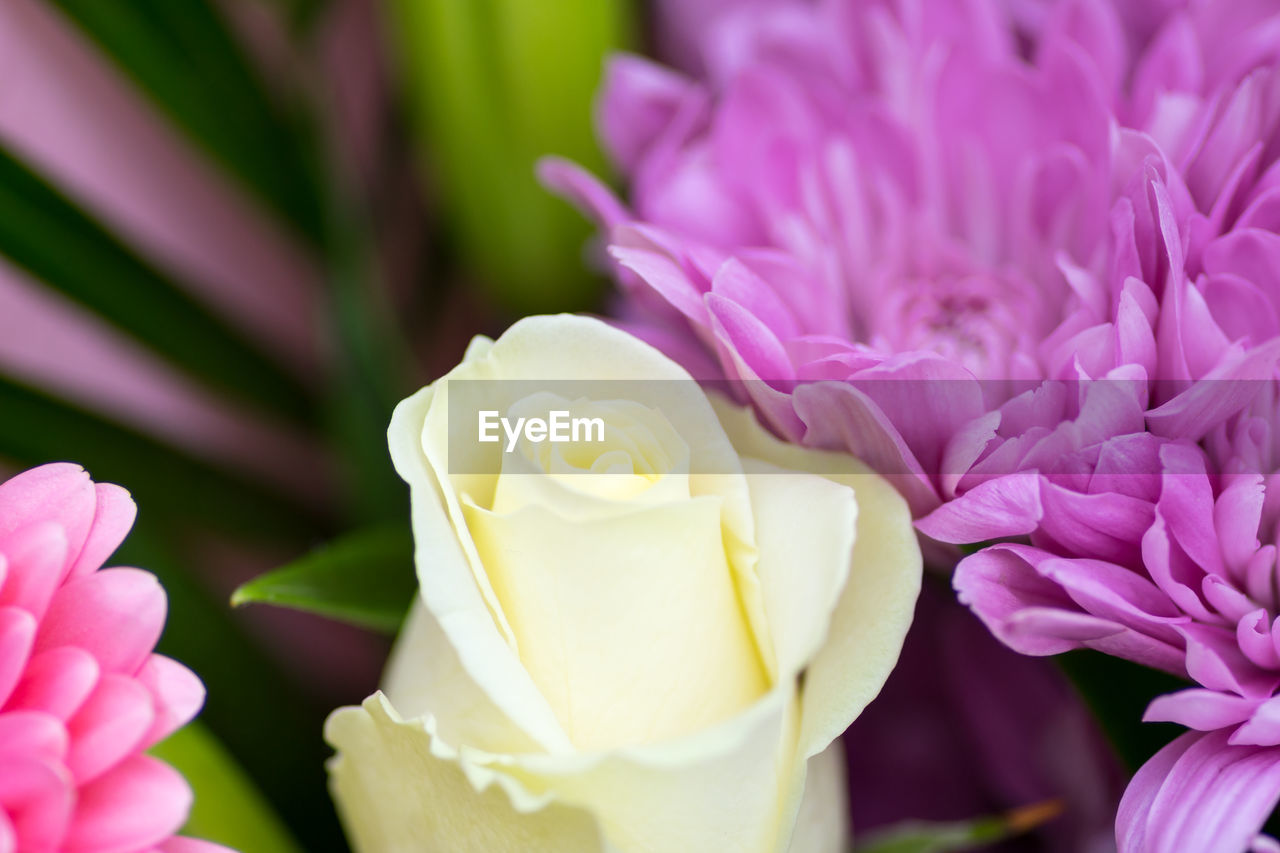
[828, 426]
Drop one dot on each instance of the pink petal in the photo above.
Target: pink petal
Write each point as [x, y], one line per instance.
[1214, 659]
[1202, 794]
[1228, 388]
[837, 416]
[1171, 63]
[112, 521]
[38, 796]
[1253, 634]
[667, 279]
[1116, 594]
[741, 285]
[1093, 26]
[1080, 629]
[1186, 503]
[1236, 516]
[583, 190]
[32, 733]
[139, 803]
[1174, 572]
[1001, 582]
[109, 726]
[1263, 728]
[1134, 816]
[1006, 506]
[752, 344]
[59, 492]
[17, 635]
[37, 560]
[927, 398]
[176, 692]
[638, 100]
[1225, 598]
[57, 682]
[1104, 525]
[115, 614]
[1200, 709]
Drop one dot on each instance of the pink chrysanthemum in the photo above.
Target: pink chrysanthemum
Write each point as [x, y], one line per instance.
[894, 225]
[1021, 256]
[82, 696]
[866, 209]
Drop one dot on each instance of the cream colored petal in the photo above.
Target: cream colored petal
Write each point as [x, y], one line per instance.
[598, 362]
[805, 538]
[477, 349]
[630, 625]
[718, 790]
[876, 607]
[650, 459]
[425, 677]
[450, 591]
[400, 788]
[536, 353]
[822, 826]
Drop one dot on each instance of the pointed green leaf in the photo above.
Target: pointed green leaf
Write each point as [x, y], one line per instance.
[921, 837]
[55, 241]
[365, 578]
[228, 807]
[36, 428]
[183, 56]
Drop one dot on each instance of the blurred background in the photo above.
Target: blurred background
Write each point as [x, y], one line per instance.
[234, 234]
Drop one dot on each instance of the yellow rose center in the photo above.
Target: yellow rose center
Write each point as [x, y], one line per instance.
[615, 579]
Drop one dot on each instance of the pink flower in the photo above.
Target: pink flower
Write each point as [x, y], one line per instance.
[82, 696]
[1022, 258]
[867, 216]
[1160, 546]
[1153, 559]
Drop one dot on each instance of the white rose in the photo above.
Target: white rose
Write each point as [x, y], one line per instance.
[643, 644]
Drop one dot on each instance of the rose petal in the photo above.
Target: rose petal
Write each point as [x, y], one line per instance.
[399, 786]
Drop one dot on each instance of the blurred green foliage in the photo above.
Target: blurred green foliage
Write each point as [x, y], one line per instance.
[925, 837]
[493, 85]
[228, 808]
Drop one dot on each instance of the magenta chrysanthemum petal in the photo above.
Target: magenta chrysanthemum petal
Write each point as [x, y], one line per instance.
[1022, 259]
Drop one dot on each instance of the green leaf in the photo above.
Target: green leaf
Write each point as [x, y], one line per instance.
[228, 807]
[182, 55]
[36, 428]
[921, 837]
[46, 234]
[493, 85]
[365, 578]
